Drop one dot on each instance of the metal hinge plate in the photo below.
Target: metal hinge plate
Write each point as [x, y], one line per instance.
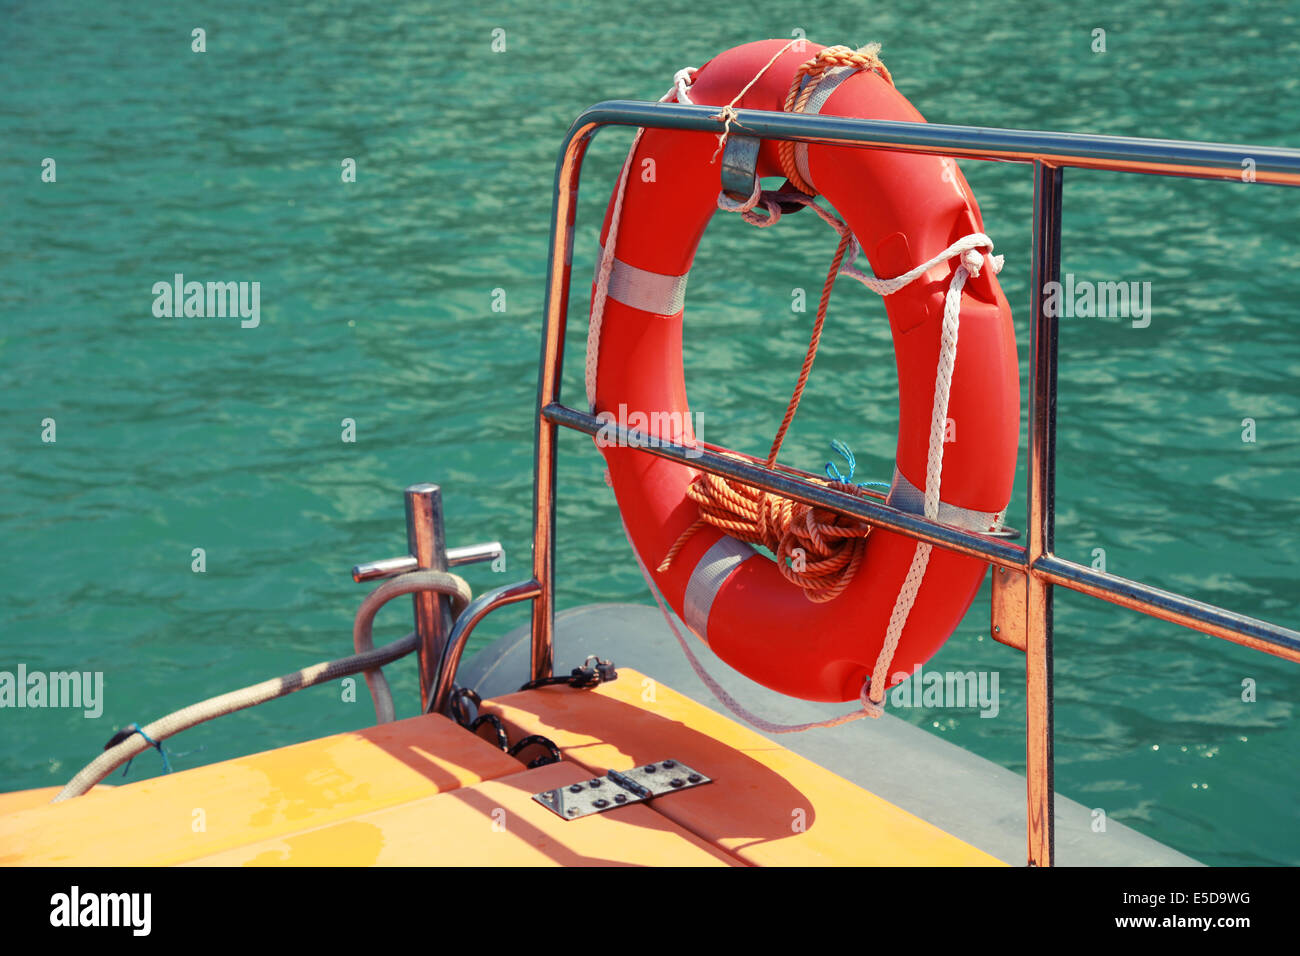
[620, 788]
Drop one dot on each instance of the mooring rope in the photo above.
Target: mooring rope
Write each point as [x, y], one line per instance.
[368, 661]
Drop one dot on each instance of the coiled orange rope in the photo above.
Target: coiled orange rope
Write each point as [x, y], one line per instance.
[796, 99]
[816, 549]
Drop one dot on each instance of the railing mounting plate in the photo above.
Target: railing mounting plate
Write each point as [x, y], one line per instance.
[1009, 607]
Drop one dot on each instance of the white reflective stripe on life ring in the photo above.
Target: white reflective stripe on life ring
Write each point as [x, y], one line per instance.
[905, 496]
[648, 291]
[714, 567]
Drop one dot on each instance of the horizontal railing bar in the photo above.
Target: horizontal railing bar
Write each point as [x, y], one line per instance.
[1265, 164]
[1168, 606]
[1006, 532]
[882, 516]
[1165, 605]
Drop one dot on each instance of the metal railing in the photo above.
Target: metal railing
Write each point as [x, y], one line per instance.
[1024, 575]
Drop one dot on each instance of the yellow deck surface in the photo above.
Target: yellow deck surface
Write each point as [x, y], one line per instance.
[39, 797]
[497, 823]
[768, 806]
[425, 791]
[252, 798]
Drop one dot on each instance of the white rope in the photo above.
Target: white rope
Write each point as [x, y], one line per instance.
[972, 261]
[682, 80]
[727, 204]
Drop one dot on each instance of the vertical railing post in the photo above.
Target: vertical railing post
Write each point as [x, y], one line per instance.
[564, 212]
[1045, 267]
[426, 540]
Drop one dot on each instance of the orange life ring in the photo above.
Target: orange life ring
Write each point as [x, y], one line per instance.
[904, 208]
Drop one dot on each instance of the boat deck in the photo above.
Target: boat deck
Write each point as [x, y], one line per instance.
[425, 791]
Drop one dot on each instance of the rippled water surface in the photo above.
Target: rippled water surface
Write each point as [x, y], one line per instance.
[376, 305]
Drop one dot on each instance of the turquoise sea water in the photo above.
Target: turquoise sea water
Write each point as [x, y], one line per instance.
[376, 305]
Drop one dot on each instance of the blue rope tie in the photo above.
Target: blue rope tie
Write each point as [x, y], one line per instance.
[157, 745]
[833, 471]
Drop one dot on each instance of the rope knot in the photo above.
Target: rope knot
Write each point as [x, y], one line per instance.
[682, 81]
[727, 115]
[873, 708]
[974, 261]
